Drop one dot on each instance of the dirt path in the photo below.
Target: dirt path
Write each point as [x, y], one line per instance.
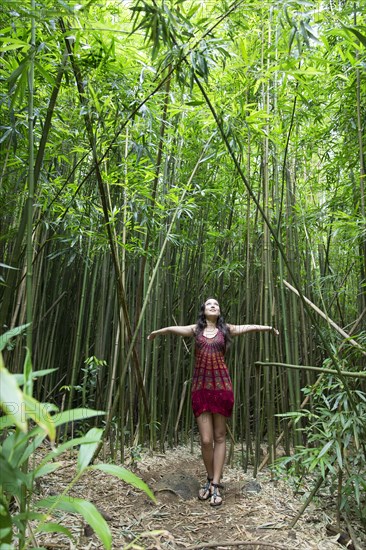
[257, 519]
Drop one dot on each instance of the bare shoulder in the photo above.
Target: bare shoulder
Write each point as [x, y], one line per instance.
[232, 329]
[188, 330]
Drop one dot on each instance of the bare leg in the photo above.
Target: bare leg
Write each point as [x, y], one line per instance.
[219, 451]
[219, 427]
[212, 428]
[206, 428]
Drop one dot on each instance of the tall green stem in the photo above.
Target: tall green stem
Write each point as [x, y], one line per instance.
[362, 177]
[30, 199]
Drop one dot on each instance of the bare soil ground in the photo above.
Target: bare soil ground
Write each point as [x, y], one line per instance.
[179, 520]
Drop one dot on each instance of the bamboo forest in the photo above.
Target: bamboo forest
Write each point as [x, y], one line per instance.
[155, 154]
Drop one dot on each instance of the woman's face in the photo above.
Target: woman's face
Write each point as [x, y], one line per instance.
[212, 308]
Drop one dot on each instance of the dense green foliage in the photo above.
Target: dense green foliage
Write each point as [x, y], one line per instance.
[21, 471]
[183, 149]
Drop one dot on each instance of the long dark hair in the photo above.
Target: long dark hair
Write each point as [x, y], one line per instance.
[220, 323]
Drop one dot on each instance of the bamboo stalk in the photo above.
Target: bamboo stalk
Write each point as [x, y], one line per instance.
[327, 318]
[79, 331]
[317, 369]
[257, 420]
[268, 375]
[182, 399]
[28, 383]
[309, 499]
[30, 198]
[357, 545]
[360, 137]
[248, 370]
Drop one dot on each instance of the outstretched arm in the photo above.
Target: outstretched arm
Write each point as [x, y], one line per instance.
[235, 330]
[187, 330]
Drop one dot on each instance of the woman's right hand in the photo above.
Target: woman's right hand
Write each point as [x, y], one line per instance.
[152, 335]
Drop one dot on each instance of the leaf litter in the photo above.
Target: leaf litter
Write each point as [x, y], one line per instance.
[255, 514]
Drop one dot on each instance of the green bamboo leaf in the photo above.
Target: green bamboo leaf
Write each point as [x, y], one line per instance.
[86, 509]
[291, 39]
[15, 41]
[64, 447]
[73, 415]
[195, 103]
[95, 98]
[32, 445]
[46, 469]
[7, 133]
[356, 487]
[311, 32]
[13, 445]
[11, 478]
[7, 336]
[11, 397]
[27, 369]
[10, 47]
[55, 528]
[326, 448]
[46, 74]
[360, 36]
[35, 375]
[8, 267]
[38, 412]
[6, 530]
[88, 448]
[124, 475]
[57, 420]
[330, 466]
[19, 86]
[339, 454]
[37, 516]
[361, 395]
[356, 438]
[304, 32]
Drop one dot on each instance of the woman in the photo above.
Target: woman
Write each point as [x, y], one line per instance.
[212, 392]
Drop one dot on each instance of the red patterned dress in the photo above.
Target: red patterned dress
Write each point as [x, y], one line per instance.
[212, 390]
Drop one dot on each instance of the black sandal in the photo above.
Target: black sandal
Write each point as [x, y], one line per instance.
[205, 491]
[216, 499]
